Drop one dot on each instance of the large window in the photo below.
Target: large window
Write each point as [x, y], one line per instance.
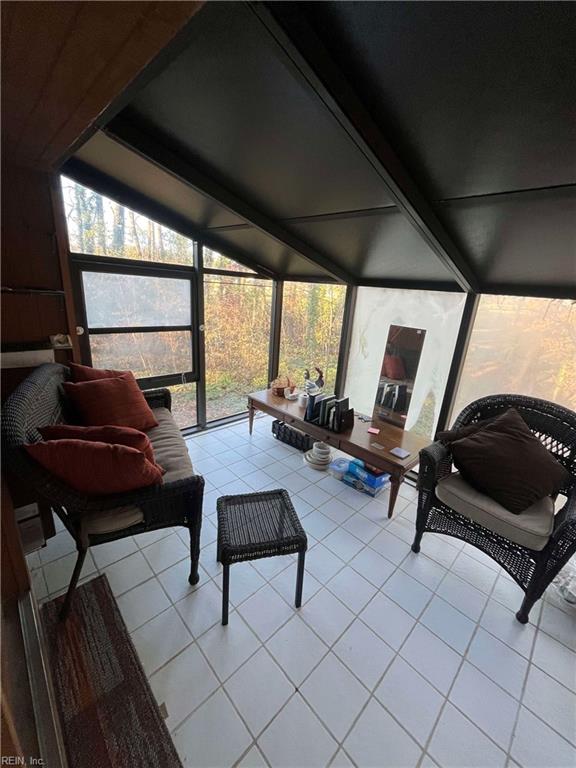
[437, 313]
[237, 339]
[311, 327]
[99, 226]
[521, 346]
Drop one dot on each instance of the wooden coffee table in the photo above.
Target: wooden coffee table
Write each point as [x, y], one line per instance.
[356, 442]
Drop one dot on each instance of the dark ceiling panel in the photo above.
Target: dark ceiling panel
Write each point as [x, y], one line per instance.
[265, 250]
[476, 97]
[233, 104]
[527, 238]
[115, 160]
[375, 246]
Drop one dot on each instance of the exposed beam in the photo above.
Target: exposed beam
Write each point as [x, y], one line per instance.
[275, 330]
[121, 193]
[307, 55]
[131, 136]
[410, 285]
[458, 359]
[345, 340]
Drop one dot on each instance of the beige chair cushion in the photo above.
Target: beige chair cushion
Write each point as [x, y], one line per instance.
[110, 520]
[169, 447]
[170, 452]
[531, 528]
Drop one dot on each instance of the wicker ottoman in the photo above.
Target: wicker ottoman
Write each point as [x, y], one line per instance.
[258, 525]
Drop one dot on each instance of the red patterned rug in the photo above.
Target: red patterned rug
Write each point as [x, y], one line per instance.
[108, 713]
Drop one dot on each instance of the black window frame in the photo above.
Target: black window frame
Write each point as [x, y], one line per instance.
[80, 262]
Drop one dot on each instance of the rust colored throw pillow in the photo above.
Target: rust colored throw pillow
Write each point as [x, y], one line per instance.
[394, 367]
[118, 401]
[87, 373]
[506, 462]
[96, 468]
[107, 434]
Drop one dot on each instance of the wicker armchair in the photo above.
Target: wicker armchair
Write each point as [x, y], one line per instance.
[93, 520]
[532, 569]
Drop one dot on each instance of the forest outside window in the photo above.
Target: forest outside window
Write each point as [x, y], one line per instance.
[102, 227]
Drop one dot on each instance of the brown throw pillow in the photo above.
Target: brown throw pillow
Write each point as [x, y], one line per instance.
[506, 462]
[117, 401]
[106, 434]
[450, 435]
[87, 373]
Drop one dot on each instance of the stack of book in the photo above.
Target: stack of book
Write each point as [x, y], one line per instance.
[329, 411]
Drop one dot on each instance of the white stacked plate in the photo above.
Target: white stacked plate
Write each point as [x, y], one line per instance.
[319, 456]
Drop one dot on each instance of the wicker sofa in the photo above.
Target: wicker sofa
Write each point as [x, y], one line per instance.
[530, 549]
[92, 520]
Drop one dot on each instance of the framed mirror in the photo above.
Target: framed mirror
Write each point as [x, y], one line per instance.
[398, 374]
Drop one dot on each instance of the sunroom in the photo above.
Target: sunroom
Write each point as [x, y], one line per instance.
[289, 384]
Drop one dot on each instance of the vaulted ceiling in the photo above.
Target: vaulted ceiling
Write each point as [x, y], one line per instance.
[403, 144]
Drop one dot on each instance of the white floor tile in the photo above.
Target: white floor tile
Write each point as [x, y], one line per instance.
[296, 649]
[352, 589]
[486, 704]
[335, 695]
[59, 572]
[277, 470]
[160, 639]
[268, 567]
[354, 498]
[535, 745]
[560, 625]
[285, 584]
[413, 701]
[366, 654]
[183, 684]
[56, 547]
[402, 529]
[552, 702]
[336, 510]
[377, 741]
[341, 760]
[112, 551]
[253, 759]
[424, 570]
[303, 508]
[244, 581]
[200, 741]
[33, 560]
[502, 665]
[175, 580]
[331, 485]
[142, 603]
[372, 566]
[297, 738]
[208, 534]
[38, 583]
[388, 620]
[448, 623]
[318, 524]
[259, 689]
[201, 608]
[463, 596]
[220, 476]
[363, 528]
[164, 553]
[343, 544]
[149, 537]
[295, 483]
[471, 570]
[502, 623]
[236, 486]
[437, 549]
[256, 479]
[407, 592]
[327, 616]
[226, 648]
[265, 612]
[318, 498]
[390, 547]
[457, 743]
[432, 658]
[377, 509]
[323, 563]
[556, 659]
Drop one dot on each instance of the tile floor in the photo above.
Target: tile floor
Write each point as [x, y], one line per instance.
[395, 659]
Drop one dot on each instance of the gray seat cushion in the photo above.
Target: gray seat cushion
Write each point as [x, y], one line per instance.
[532, 528]
[110, 520]
[169, 447]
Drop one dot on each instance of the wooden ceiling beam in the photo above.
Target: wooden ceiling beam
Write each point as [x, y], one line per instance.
[307, 55]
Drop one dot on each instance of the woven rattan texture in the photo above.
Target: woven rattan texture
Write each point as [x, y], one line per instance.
[258, 525]
[555, 427]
